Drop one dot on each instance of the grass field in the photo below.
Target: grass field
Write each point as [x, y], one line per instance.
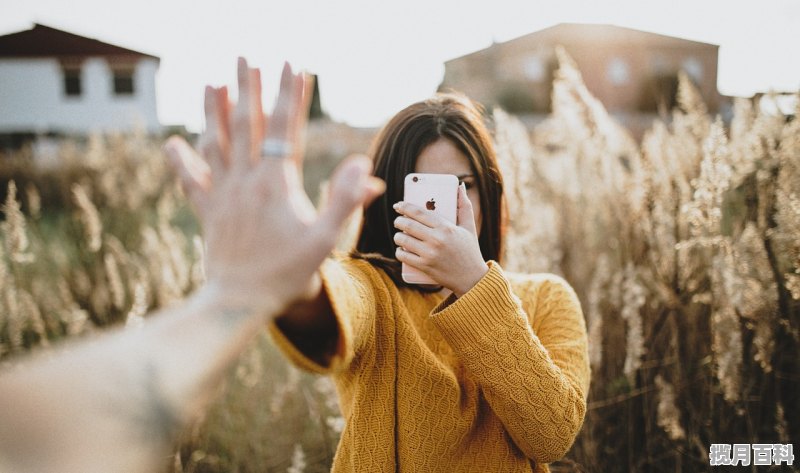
[684, 249]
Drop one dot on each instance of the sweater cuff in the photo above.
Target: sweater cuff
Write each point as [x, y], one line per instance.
[476, 316]
[332, 277]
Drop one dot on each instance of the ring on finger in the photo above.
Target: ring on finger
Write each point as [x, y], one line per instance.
[275, 148]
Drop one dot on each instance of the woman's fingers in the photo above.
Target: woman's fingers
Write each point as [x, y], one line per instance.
[224, 116]
[283, 113]
[375, 187]
[302, 94]
[256, 113]
[419, 214]
[465, 216]
[247, 117]
[214, 142]
[350, 188]
[409, 243]
[193, 171]
[409, 258]
[287, 124]
[414, 228]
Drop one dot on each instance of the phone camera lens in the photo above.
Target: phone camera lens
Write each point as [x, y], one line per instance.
[415, 179]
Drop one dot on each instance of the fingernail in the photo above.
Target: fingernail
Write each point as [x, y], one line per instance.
[396, 206]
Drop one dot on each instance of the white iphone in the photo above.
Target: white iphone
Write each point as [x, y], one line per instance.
[436, 193]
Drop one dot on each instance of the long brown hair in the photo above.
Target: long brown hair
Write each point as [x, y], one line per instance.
[395, 151]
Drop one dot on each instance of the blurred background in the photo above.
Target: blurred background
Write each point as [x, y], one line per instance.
[651, 153]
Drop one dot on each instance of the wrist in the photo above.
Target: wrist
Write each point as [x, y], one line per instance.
[226, 298]
[473, 279]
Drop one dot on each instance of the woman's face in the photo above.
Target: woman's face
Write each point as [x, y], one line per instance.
[443, 157]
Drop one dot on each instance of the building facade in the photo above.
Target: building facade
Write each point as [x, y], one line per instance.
[627, 70]
[55, 82]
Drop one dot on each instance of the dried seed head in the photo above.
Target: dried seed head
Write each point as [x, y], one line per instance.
[668, 416]
[89, 216]
[14, 232]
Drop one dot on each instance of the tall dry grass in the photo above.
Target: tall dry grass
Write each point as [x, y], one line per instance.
[684, 250]
[105, 239]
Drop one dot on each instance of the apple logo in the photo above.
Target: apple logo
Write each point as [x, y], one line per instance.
[431, 204]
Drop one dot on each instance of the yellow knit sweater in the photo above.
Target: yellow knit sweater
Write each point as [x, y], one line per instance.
[493, 381]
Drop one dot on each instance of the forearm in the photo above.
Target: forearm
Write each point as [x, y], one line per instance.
[125, 392]
[324, 334]
[532, 387]
[539, 405]
[311, 326]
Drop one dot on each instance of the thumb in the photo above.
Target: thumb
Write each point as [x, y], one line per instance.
[465, 216]
[350, 187]
[193, 171]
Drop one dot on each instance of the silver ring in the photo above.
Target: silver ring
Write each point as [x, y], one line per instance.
[275, 148]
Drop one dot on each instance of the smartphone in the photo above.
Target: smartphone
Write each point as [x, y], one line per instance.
[436, 193]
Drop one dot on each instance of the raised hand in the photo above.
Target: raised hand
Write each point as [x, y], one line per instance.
[448, 253]
[264, 238]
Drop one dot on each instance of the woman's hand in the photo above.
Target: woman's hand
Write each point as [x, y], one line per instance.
[264, 239]
[448, 253]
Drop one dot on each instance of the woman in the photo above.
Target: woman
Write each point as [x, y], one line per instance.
[487, 371]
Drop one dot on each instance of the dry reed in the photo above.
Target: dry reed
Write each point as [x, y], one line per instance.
[684, 248]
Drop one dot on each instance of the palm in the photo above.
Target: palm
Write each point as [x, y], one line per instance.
[260, 227]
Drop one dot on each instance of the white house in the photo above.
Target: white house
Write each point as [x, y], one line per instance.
[55, 82]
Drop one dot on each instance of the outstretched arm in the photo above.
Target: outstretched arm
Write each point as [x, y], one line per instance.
[113, 403]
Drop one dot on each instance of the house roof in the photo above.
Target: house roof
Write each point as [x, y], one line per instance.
[596, 34]
[44, 41]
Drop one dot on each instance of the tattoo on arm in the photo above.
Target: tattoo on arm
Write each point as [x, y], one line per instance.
[231, 317]
[155, 420]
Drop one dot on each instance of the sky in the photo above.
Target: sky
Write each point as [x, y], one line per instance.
[375, 57]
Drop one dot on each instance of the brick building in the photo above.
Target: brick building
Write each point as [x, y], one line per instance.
[629, 71]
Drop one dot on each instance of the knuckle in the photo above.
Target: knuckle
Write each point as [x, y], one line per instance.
[427, 256]
[241, 119]
[426, 261]
[209, 147]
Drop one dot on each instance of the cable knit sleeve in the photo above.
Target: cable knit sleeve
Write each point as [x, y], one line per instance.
[535, 381]
[351, 287]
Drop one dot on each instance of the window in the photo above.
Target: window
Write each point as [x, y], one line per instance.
[618, 71]
[123, 81]
[694, 68]
[72, 81]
